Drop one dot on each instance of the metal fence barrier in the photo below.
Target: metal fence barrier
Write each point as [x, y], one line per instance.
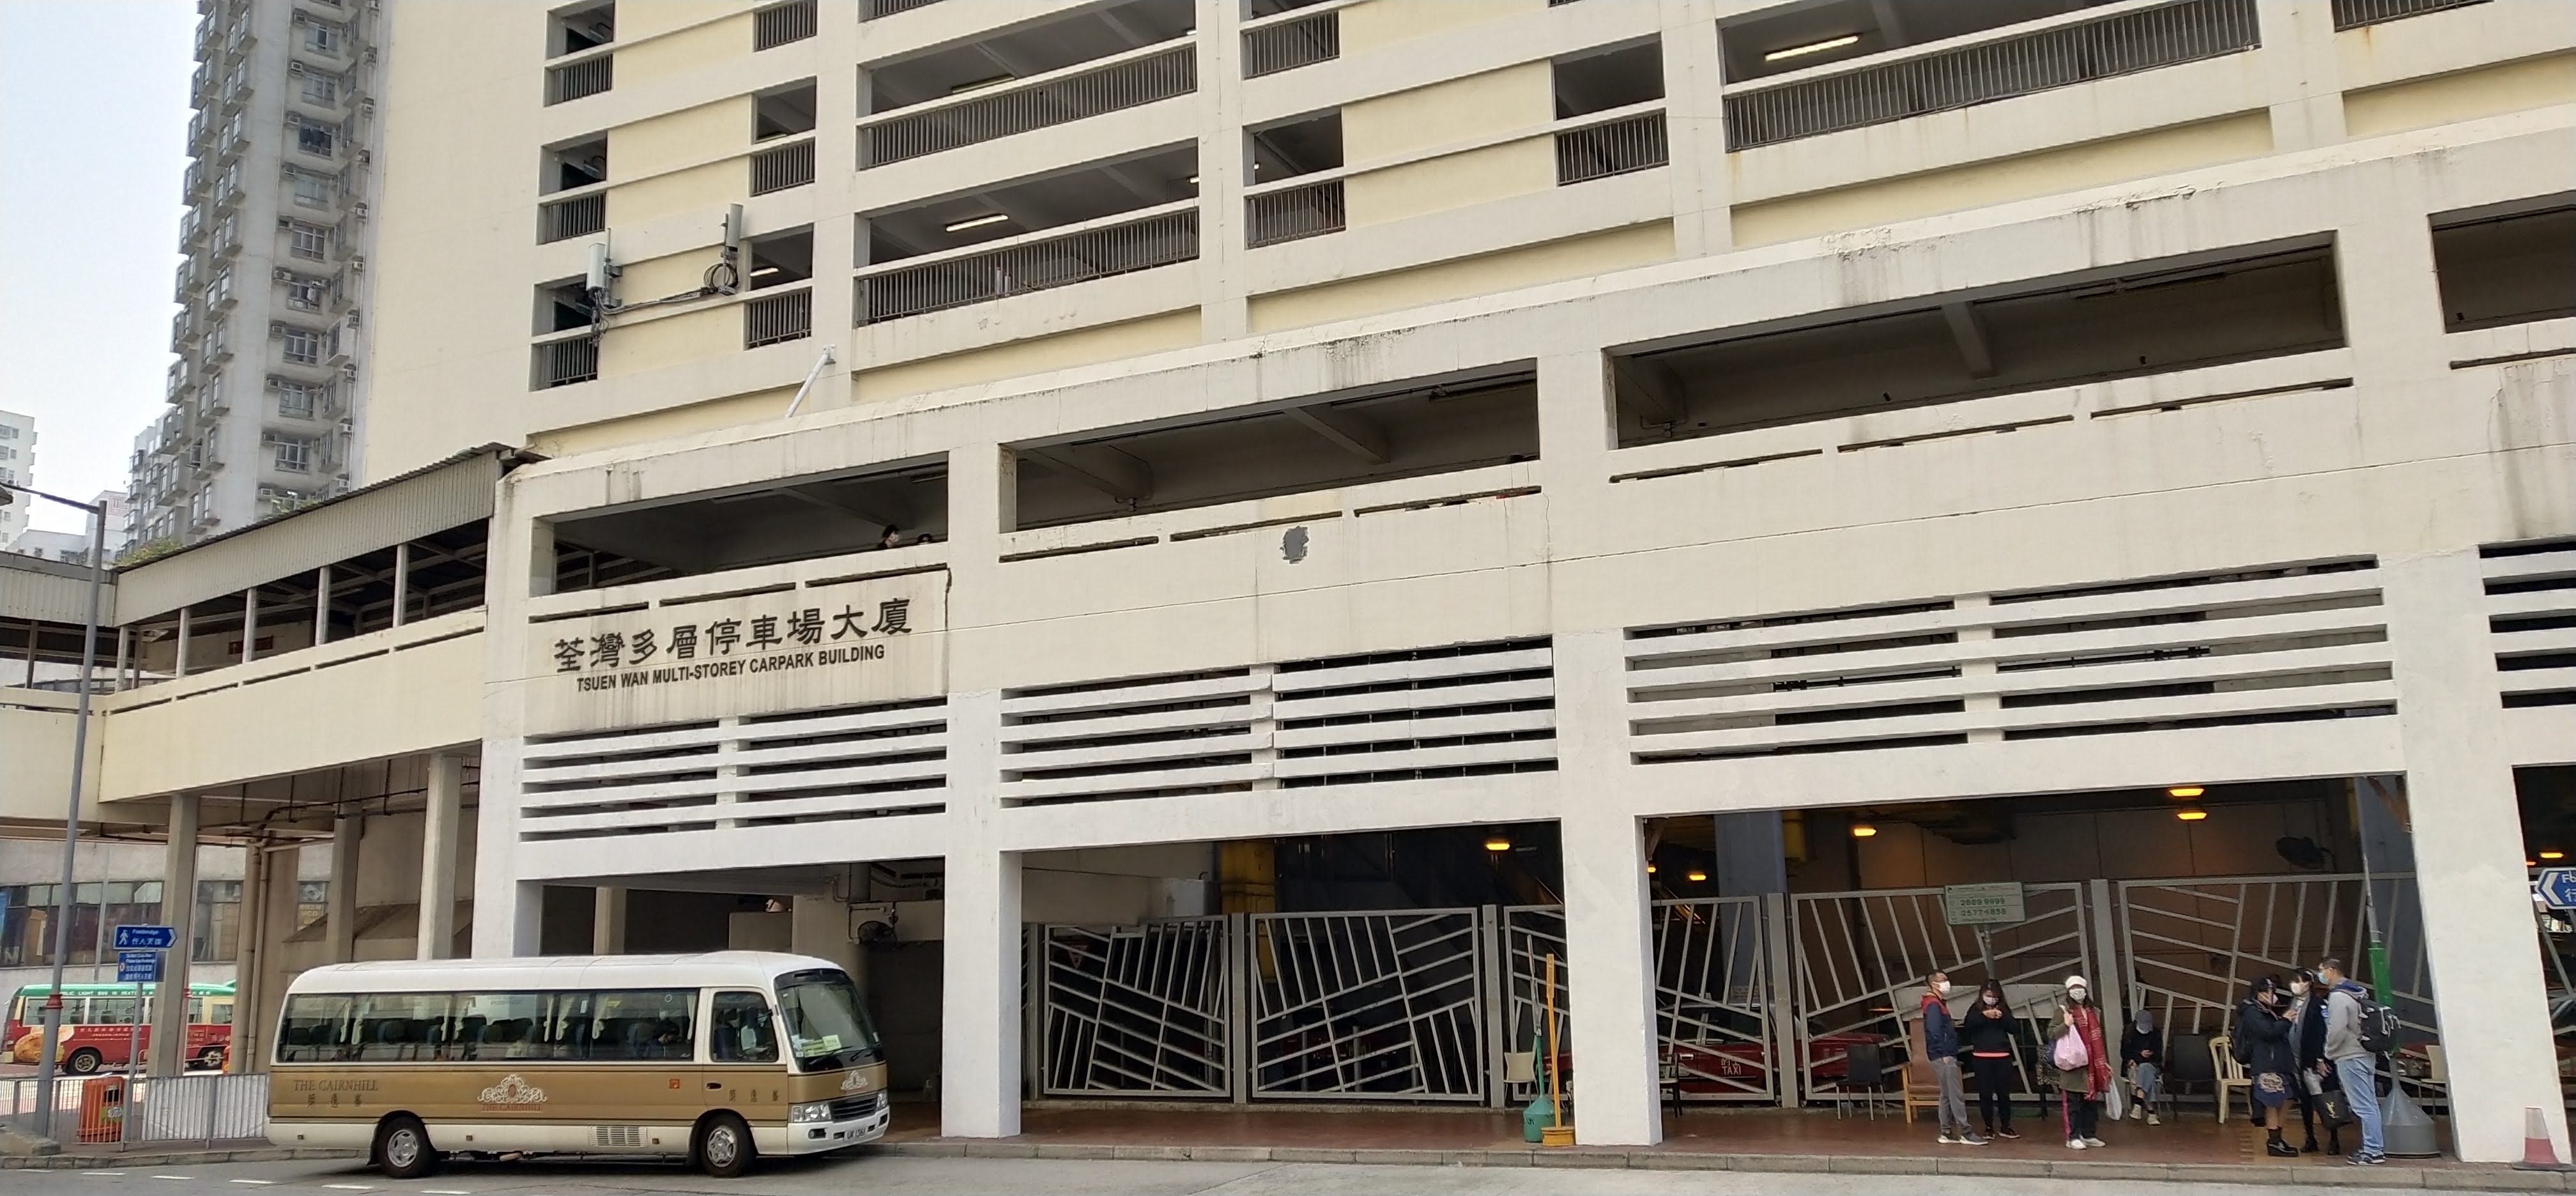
[207, 1107]
[1159, 240]
[2353, 14]
[1616, 147]
[575, 217]
[2126, 43]
[1293, 213]
[1127, 84]
[769, 319]
[779, 25]
[572, 81]
[562, 363]
[781, 168]
[1288, 45]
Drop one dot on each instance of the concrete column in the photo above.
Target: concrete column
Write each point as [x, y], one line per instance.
[1224, 169]
[402, 580]
[342, 918]
[322, 605]
[819, 926]
[250, 958]
[2302, 79]
[2468, 848]
[1695, 120]
[179, 911]
[979, 1048]
[250, 625]
[1610, 985]
[181, 668]
[607, 920]
[439, 828]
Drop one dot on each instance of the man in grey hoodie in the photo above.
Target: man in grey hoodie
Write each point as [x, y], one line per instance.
[2355, 1066]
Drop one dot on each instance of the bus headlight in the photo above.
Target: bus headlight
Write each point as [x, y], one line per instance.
[820, 1110]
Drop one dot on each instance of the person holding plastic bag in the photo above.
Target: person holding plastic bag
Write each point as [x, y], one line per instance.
[2082, 1068]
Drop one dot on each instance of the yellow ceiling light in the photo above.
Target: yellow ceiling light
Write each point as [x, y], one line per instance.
[1695, 875]
[2185, 791]
[1497, 843]
[2191, 814]
[1650, 869]
[976, 222]
[1831, 43]
[2553, 855]
[1863, 830]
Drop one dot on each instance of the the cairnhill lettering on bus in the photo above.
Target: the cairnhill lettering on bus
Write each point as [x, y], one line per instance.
[730, 647]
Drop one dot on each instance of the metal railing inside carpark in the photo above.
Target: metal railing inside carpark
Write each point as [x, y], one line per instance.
[1102, 251]
[564, 362]
[1028, 105]
[2063, 55]
[2353, 14]
[1293, 213]
[1289, 44]
[578, 217]
[1612, 147]
[872, 10]
[783, 167]
[573, 80]
[769, 319]
[124, 1111]
[780, 24]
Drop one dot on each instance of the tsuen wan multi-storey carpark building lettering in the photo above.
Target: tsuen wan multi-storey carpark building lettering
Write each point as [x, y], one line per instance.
[1186, 542]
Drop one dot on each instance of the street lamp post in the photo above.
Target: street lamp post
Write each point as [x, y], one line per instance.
[71, 815]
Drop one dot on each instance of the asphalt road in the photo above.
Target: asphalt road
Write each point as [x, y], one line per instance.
[1031, 1177]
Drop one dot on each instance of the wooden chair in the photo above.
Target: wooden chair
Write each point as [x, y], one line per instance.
[1921, 1090]
[2231, 1074]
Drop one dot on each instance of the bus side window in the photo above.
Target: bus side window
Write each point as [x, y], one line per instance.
[315, 1028]
[743, 1032]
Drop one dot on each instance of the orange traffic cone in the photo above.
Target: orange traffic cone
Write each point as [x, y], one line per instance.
[2538, 1154]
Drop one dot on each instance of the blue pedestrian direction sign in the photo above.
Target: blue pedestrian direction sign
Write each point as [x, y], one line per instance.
[145, 938]
[2557, 886]
[138, 967]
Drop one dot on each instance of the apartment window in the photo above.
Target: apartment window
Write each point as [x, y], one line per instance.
[294, 399]
[8, 454]
[308, 241]
[216, 337]
[320, 89]
[230, 181]
[232, 128]
[303, 346]
[228, 233]
[315, 139]
[304, 294]
[292, 454]
[8, 433]
[220, 287]
[312, 191]
[210, 397]
[322, 37]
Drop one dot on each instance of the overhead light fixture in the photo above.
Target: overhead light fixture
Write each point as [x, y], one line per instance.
[2553, 855]
[1497, 843]
[2191, 814]
[1194, 180]
[1831, 43]
[764, 272]
[1863, 830]
[1650, 869]
[978, 221]
[2185, 791]
[1695, 875]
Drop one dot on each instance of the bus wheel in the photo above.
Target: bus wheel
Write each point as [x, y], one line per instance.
[83, 1062]
[724, 1146]
[211, 1059]
[402, 1147]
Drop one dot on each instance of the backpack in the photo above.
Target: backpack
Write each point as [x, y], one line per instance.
[2241, 1047]
[2378, 1025]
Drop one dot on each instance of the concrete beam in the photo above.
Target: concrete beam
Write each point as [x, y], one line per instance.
[1971, 339]
[1353, 432]
[1105, 469]
[812, 495]
[1651, 389]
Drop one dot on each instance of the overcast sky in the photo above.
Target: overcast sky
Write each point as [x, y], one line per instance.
[93, 139]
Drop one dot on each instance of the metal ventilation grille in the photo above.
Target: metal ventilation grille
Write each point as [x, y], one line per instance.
[2531, 616]
[2257, 645]
[627, 1136]
[1462, 710]
[811, 766]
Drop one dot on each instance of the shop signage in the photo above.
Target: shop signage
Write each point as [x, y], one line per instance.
[793, 649]
[1982, 905]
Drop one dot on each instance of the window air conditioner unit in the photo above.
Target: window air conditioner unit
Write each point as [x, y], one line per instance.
[284, 224]
[361, 209]
[350, 371]
[296, 68]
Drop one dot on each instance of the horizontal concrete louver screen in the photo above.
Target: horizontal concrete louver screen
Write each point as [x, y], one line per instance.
[1457, 711]
[2261, 644]
[705, 777]
[2531, 616]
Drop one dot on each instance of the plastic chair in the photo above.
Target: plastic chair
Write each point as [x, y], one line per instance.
[1864, 1070]
[2230, 1073]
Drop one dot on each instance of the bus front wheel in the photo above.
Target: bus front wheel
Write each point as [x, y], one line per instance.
[402, 1147]
[211, 1059]
[724, 1146]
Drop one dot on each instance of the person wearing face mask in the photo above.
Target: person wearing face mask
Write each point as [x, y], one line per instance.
[2308, 1018]
[1989, 1031]
[2271, 1061]
[2142, 1048]
[1941, 1048]
[2080, 1085]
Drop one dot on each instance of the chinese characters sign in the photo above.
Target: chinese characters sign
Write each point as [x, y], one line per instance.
[768, 653]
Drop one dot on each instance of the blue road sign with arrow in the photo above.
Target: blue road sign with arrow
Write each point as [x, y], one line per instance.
[145, 938]
[2557, 886]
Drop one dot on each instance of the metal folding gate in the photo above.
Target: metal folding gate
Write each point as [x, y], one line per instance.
[2192, 946]
[1137, 1010]
[1860, 959]
[1531, 933]
[1380, 1005]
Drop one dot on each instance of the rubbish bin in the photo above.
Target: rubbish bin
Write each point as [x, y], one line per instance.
[102, 1109]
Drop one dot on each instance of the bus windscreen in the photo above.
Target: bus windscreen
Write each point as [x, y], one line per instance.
[827, 1027]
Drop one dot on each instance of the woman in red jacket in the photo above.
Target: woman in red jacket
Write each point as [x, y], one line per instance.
[2080, 1087]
